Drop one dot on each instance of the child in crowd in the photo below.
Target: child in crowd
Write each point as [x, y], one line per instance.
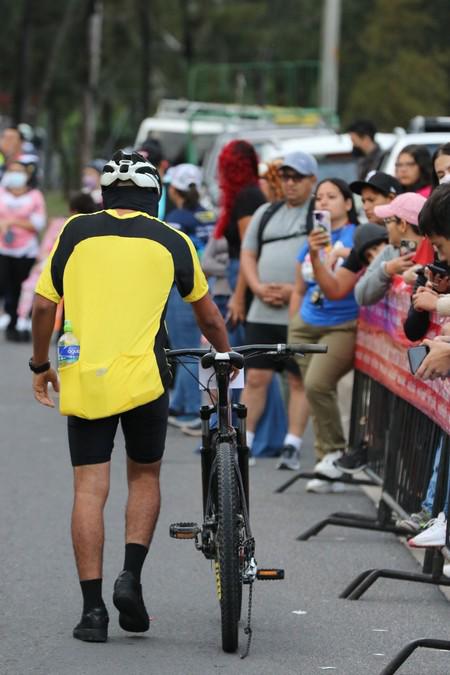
[406, 248]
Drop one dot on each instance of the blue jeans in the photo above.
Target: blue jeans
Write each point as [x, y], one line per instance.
[183, 332]
[427, 503]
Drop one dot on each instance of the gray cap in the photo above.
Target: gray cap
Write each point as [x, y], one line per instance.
[301, 162]
[366, 236]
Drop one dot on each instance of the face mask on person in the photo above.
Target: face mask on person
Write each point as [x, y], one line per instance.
[14, 180]
[357, 152]
[89, 183]
[445, 179]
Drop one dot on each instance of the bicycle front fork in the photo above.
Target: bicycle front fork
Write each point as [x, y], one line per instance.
[207, 455]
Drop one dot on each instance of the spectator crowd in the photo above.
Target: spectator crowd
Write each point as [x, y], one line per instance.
[277, 275]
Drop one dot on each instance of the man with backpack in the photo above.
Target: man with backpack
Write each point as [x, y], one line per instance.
[269, 249]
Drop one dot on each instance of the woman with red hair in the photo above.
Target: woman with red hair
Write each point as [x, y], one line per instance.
[240, 196]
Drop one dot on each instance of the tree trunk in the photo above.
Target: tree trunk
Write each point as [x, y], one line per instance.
[52, 63]
[20, 98]
[145, 36]
[94, 38]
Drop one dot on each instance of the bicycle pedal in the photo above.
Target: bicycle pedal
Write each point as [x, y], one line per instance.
[184, 530]
[270, 574]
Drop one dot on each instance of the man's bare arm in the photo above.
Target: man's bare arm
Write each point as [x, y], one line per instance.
[211, 323]
[249, 266]
[43, 322]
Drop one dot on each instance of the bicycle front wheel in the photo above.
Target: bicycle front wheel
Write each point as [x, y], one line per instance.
[227, 558]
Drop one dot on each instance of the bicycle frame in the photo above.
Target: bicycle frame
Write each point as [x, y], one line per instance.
[225, 431]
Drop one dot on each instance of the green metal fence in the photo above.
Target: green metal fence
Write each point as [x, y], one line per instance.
[282, 83]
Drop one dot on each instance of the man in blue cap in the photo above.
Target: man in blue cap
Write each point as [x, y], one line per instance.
[268, 258]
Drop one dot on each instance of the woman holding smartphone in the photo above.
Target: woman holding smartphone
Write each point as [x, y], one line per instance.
[314, 318]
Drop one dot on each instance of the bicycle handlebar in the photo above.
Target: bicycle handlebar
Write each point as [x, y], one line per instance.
[285, 349]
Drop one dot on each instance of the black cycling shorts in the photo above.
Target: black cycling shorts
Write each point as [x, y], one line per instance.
[269, 333]
[144, 428]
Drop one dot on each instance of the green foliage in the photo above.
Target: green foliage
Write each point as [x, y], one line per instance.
[394, 59]
[404, 69]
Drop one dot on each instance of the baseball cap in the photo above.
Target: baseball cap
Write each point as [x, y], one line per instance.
[406, 206]
[378, 180]
[366, 236]
[301, 162]
[183, 176]
[96, 164]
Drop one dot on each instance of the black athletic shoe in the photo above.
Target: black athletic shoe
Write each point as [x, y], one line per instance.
[93, 626]
[128, 599]
[12, 335]
[353, 461]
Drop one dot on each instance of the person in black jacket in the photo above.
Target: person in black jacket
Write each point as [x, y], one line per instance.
[436, 277]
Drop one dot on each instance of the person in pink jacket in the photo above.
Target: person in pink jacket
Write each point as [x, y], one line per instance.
[22, 217]
[79, 203]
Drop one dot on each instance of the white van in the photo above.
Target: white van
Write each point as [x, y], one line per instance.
[180, 138]
[187, 130]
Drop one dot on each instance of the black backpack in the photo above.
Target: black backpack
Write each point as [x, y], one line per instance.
[266, 216]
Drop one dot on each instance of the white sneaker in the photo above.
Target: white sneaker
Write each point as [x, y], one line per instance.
[289, 459]
[326, 466]
[446, 570]
[324, 486]
[433, 535]
[4, 321]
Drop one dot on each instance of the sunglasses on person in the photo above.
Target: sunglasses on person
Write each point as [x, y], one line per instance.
[295, 177]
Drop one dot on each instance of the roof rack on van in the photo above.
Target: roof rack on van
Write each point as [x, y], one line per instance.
[270, 114]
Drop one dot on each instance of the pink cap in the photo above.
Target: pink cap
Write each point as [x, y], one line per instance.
[406, 206]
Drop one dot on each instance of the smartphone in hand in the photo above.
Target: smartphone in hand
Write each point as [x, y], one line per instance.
[322, 222]
[407, 246]
[415, 357]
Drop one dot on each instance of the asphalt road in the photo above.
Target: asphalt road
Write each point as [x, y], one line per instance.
[300, 625]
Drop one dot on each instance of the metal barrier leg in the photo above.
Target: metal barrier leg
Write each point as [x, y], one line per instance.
[289, 482]
[346, 592]
[308, 475]
[373, 575]
[350, 520]
[406, 652]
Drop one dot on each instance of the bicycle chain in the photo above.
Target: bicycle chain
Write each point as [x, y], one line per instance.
[248, 629]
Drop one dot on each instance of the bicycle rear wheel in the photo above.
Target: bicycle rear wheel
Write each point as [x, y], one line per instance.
[227, 558]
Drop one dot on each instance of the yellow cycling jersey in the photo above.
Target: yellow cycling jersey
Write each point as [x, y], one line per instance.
[115, 273]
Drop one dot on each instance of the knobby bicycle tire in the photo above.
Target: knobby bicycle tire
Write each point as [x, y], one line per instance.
[227, 547]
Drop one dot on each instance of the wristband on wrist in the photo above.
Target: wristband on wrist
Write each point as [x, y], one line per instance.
[38, 368]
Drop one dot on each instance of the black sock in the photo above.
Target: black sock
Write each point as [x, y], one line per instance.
[134, 559]
[92, 594]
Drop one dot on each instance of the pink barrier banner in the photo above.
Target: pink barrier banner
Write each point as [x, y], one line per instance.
[381, 353]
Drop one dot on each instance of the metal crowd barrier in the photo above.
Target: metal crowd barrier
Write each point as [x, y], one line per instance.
[401, 442]
[402, 421]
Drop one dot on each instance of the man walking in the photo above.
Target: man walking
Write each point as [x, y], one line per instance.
[268, 259]
[116, 268]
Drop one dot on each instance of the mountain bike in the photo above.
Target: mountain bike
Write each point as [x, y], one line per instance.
[225, 537]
